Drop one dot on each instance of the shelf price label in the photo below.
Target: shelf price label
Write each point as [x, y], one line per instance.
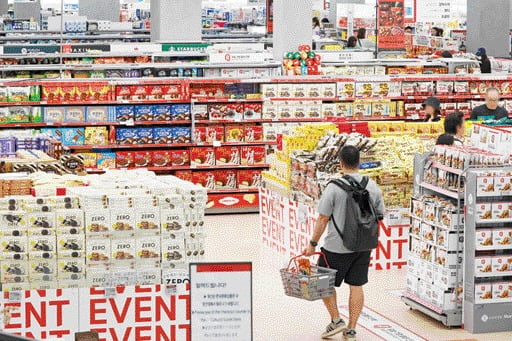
[221, 301]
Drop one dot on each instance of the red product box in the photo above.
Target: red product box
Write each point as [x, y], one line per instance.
[139, 92]
[253, 133]
[235, 112]
[234, 133]
[217, 111]
[226, 179]
[124, 159]
[156, 92]
[253, 155]
[142, 159]
[214, 134]
[252, 111]
[202, 156]
[184, 175]
[174, 92]
[200, 134]
[68, 93]
[82, 92]
[51, 93]
[179, 158]
[99, 92]
[161, 158]
[123, 92]
[204, 179]
[249, 178]
[227, 156]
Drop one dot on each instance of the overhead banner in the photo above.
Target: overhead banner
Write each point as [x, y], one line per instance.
[221, 301]
[391, 34]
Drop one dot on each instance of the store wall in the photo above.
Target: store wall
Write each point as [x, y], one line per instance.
[4, 5]
[176, 20]
[100, 10]
[488, 26]
[292, 25]
[27, 10]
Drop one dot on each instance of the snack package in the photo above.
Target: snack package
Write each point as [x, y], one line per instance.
[227, 155]
[97, 114]
[96, 136]
[144, 113]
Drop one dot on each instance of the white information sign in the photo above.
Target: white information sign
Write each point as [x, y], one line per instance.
[436, 11]
[221, 301]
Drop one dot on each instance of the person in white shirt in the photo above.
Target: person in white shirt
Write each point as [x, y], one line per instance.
[316, 27]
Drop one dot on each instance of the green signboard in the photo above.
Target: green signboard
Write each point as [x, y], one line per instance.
[197, 47]
[27, 49]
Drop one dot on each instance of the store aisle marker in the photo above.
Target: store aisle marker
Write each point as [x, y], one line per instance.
[382, 327]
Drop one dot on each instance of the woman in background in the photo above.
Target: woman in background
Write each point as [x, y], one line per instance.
[432, 107]
[352, 42]
[316, 27]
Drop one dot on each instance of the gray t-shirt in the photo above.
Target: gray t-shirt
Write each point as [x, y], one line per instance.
[333, 202]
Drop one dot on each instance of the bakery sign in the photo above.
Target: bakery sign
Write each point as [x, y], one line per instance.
[151, 313]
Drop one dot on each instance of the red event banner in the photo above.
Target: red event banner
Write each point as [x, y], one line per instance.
[391, 34]
[287, 226]
[151, 313]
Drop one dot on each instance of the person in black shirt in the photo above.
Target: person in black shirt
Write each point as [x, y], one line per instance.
[454, 124]
[445, 139]
[491, 107]
[432, 107]
[485, 63]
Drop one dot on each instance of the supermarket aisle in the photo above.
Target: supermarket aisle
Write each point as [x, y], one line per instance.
[280, 318]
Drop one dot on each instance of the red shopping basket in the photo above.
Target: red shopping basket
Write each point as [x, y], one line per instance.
[318, 285]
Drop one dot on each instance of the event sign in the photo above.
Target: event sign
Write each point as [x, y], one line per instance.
[391, 34]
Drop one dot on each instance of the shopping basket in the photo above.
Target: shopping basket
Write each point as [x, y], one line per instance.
[318, 285]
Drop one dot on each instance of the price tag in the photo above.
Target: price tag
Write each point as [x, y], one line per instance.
[217, 144]
[171, 290]
[110, 292]
[415, 117]
[15, 296]
[49, 124]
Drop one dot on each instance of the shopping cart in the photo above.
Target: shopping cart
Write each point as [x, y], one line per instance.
[318, 285]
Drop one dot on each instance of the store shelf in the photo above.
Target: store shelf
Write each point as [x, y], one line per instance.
[450, 319]
[221, 144]
[225, 99]
[229, 167]
[281, 120]
[131, 146]
[447, 168]
[225, 191]
[306, 99]
[494, 221]
[179, 168]
[445, 192]
[494, 301]
[493, 274]
[86, 124]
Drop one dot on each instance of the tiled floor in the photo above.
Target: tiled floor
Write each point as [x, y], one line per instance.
[280, 318]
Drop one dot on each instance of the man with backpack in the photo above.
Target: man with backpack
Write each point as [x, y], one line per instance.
[350, 208]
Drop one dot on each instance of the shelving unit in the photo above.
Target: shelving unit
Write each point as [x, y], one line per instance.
[487, 301]
[434, 280]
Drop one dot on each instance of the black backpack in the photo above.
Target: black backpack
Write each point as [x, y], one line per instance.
[361, 228]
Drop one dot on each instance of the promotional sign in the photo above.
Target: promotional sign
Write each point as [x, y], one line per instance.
[221, 301]
[151, 313]
[270, 16]
[435, 11]
[184, 47]
[287, 226]
[27, 49]
[236, 58]
[391, 25]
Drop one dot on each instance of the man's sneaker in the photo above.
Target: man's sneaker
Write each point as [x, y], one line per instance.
[334, 328]
[349, 335]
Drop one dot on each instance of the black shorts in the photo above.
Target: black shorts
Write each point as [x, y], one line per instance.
[352, 267]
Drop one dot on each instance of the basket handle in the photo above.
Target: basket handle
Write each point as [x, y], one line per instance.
[293, 259]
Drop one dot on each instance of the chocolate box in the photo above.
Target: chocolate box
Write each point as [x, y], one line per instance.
[248, 179]
[161, 112]
[180, 112]
[142, 159]
[161, 158]
[226, 179]
[96, 114]
[202, 156]
[253, 155]
[125, 113]
[144, 113]
[96, 136]
[75, 114]
[162, 135]
[227, 155]
[204, 179]
[200, 134]
[217, 111]
[126, 135]
[144, 135]
[179, 157]
[125, 159]
[215, 134]
[253, 133]
[253, 111]
[181, 135]
[234, 133]
[200, 112]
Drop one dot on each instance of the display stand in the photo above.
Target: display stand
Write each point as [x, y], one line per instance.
[488, 263]
[434, 281]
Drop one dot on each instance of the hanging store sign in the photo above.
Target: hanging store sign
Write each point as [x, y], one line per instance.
[221, 301]
[391, 34]
[184, 47]
[27, 49]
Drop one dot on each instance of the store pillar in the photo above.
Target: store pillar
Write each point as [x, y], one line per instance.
[176, 20]
[292, 25]
[4, 6]
[488, 26]
[105, 10]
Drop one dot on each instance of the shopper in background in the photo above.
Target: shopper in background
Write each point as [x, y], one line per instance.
[445, 139]
[436, 32]
[446, 54]
[491, 108]
[485, 63]
[324, 22]
[432, 107]
[352, 267]
[455, 125]
[316, 27]
[352, 42]
[408, 29]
